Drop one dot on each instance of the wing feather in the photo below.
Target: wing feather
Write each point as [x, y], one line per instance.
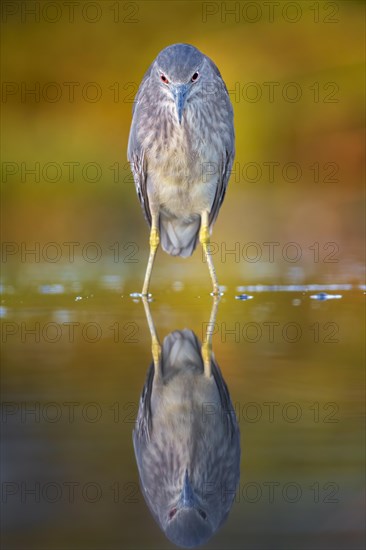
[135, 151]
[223, 180]
[228, 156]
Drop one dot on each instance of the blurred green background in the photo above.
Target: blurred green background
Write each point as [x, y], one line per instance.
[296, 79]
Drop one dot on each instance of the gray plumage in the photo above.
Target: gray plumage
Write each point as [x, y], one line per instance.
[181, 144]
[187, 443]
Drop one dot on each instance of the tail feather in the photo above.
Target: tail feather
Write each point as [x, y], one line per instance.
[181, 349]
[179, 237]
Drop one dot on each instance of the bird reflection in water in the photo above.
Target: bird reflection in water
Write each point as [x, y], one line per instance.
[186, 439]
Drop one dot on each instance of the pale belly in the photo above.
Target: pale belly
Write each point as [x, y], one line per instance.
[183, 185]
[185, 201]
[188, 401]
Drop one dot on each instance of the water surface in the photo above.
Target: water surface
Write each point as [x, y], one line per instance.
[73, 368]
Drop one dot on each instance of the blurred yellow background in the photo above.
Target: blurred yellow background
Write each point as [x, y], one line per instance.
[295, 73]
[72, 226]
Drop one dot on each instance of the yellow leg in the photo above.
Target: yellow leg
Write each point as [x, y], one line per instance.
[205, 242]
[206, 351]
[154, 245]
[156, 353]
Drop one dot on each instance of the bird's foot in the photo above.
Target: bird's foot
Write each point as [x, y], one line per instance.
[146, 296]
[143, 295]
[216, 291]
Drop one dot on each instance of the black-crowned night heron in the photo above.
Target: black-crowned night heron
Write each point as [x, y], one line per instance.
[181, 149]
[186, 439]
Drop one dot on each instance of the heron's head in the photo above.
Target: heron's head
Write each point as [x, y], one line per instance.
[180, 70]
[187, 522]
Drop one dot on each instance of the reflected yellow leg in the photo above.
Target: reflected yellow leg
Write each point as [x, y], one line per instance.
[206, 349]
[205, 242]
[154, 245]
[155, 344]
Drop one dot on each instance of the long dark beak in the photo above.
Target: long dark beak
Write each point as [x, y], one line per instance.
[187, 498]
[180, 94]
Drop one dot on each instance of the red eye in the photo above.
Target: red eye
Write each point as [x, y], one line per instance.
[164, 79]
[172, 513]
[194, 77]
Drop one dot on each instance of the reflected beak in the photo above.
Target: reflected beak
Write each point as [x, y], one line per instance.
[179, 95]
[187, 498]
